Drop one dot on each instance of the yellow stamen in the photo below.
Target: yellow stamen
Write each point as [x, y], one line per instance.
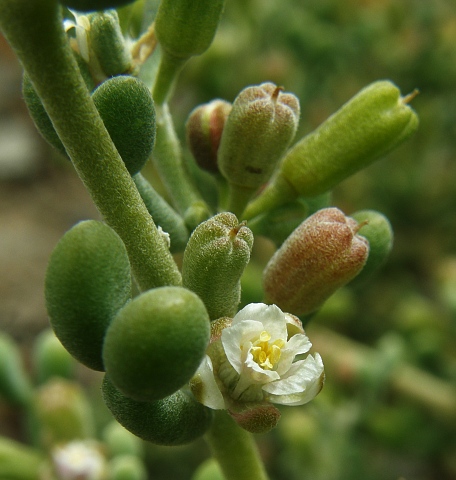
[265, 354]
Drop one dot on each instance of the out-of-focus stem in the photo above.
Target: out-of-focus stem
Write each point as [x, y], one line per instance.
[347, 361]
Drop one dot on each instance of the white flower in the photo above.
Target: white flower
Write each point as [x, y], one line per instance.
[257, 361]
[79, 460]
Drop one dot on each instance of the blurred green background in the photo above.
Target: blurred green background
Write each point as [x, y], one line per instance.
[369, 422]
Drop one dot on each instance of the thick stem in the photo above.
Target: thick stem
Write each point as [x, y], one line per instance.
[169, 163]
[168, 72]
[234, 449]
[35, 31]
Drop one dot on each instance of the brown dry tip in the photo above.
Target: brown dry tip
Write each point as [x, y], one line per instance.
[408, 98]
[275, 93]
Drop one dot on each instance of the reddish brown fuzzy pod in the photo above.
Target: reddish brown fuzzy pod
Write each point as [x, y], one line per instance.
[321, 255]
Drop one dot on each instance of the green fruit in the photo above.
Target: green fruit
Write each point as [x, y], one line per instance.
[92, 5]
[174, 420]
[88, 280]
[155, 343]
[125, 104]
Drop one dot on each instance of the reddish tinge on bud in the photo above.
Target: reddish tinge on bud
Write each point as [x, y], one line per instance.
[204, 129]
[321, 255]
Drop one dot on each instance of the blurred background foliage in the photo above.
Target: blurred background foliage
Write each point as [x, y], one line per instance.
[362, 425]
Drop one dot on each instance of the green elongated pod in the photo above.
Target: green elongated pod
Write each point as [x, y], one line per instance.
[126, 107]
[185, 28]
[156, 342]
[163, 214]
[368, 126]
[215, 258]
[377, 229]
[107, 42]
[174, 420]
[256, 134]
[88, 280]
[321, 255]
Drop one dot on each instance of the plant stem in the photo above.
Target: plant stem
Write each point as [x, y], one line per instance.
[169, 163]
[168, 71]
[234, 449]
[35, 31]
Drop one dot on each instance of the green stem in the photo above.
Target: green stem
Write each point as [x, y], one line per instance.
[34, 29]
[238, 199]
[169, 163]
[168, 71]
[234, 449]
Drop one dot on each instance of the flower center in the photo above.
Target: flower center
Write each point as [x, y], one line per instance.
[264, 353]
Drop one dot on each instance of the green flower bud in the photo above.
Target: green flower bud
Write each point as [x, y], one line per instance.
[204, 130]
[51, 359]
[92, 5]
[257, 132]
[18, 461]
[367, 127]
[320, 256]
[62, 413]
[174, 420]
[156, 342]
[125, 104]
[108, 44]
[208, 470]
[127, 467]
[216, 255]
[376, 228]
[88, 280]
[164, 216]
[15, 385]
[185, 28]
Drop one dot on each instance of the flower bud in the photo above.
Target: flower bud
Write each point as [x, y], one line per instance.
[216, 255]
[320, 256]
[259, 418]
[367, 127]
[126, 107]
[156, 342]
[376, 228]
[107, 43]
[185, 28]
[257, 132]
[121, 442]
[127, 467]
[92, 5]
[204, 131]
[88, 280]
[63, 412]
[174, 420]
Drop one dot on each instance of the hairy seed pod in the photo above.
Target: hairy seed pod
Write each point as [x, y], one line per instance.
[204, 130]
[185, 28]
[107, 42]
[174, 420]
[321, 255]
[257, 133]
[88, 279]
[125, 104]
[156, 342]
[368, 126]
[215, 258]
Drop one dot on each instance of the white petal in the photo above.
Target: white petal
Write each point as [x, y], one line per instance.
[234, 337]
[209, 394]
[297, 344]
[272, 318]
[257, 373]
[302, 383]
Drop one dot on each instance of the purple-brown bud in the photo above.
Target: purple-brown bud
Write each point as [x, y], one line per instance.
[204, 130]
[260, 418]
[321, 255]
